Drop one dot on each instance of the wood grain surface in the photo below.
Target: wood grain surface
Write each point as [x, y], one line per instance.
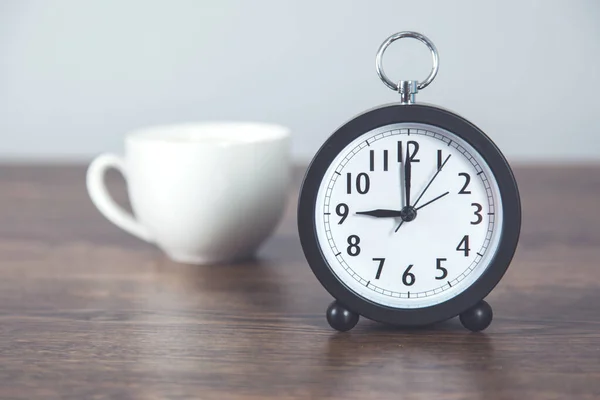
[88, 312]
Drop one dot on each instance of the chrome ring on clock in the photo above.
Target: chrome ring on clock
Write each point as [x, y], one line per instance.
[406, 34]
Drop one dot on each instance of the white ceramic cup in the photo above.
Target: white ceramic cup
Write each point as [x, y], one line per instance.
[203, 193]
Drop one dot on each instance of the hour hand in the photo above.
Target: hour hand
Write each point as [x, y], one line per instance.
[379, 213]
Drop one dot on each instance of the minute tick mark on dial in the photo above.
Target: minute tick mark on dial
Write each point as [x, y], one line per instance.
[480, 255]
[338, 254]
[449, 284]
[337, 173]
[480, 172]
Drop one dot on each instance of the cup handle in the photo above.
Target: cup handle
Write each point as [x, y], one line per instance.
[102, 200]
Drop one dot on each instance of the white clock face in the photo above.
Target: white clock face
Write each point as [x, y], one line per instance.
[408, 215]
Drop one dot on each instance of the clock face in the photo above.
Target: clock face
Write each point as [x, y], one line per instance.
[408, 215]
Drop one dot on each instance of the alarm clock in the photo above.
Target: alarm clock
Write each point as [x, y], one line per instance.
[409, 214]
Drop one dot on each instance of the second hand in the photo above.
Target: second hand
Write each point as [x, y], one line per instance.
[427, 187]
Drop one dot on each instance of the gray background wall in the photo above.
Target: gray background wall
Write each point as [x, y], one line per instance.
[75, 75]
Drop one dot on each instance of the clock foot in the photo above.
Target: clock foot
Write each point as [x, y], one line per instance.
[478, 317]
[340, 318]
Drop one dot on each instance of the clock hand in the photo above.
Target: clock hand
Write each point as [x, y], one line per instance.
[379, 213]
[431, 201]
[399, 225]
[432, 179]
[407, 176]
[427, 187]
[418, 208]
[402, 186]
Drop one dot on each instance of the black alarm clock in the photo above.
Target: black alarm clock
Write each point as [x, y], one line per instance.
[409, 214]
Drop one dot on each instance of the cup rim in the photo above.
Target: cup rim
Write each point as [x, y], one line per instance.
[220, 133]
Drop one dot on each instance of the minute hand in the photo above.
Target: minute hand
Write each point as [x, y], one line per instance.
[407, 177]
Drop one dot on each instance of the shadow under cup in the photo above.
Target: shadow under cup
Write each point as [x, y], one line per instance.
[207, 193]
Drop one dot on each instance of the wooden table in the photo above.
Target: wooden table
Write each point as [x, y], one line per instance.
[87, 311]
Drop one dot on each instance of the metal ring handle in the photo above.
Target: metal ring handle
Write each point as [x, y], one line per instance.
[406, 34]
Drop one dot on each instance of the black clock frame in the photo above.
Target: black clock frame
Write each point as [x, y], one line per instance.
[416, 113]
